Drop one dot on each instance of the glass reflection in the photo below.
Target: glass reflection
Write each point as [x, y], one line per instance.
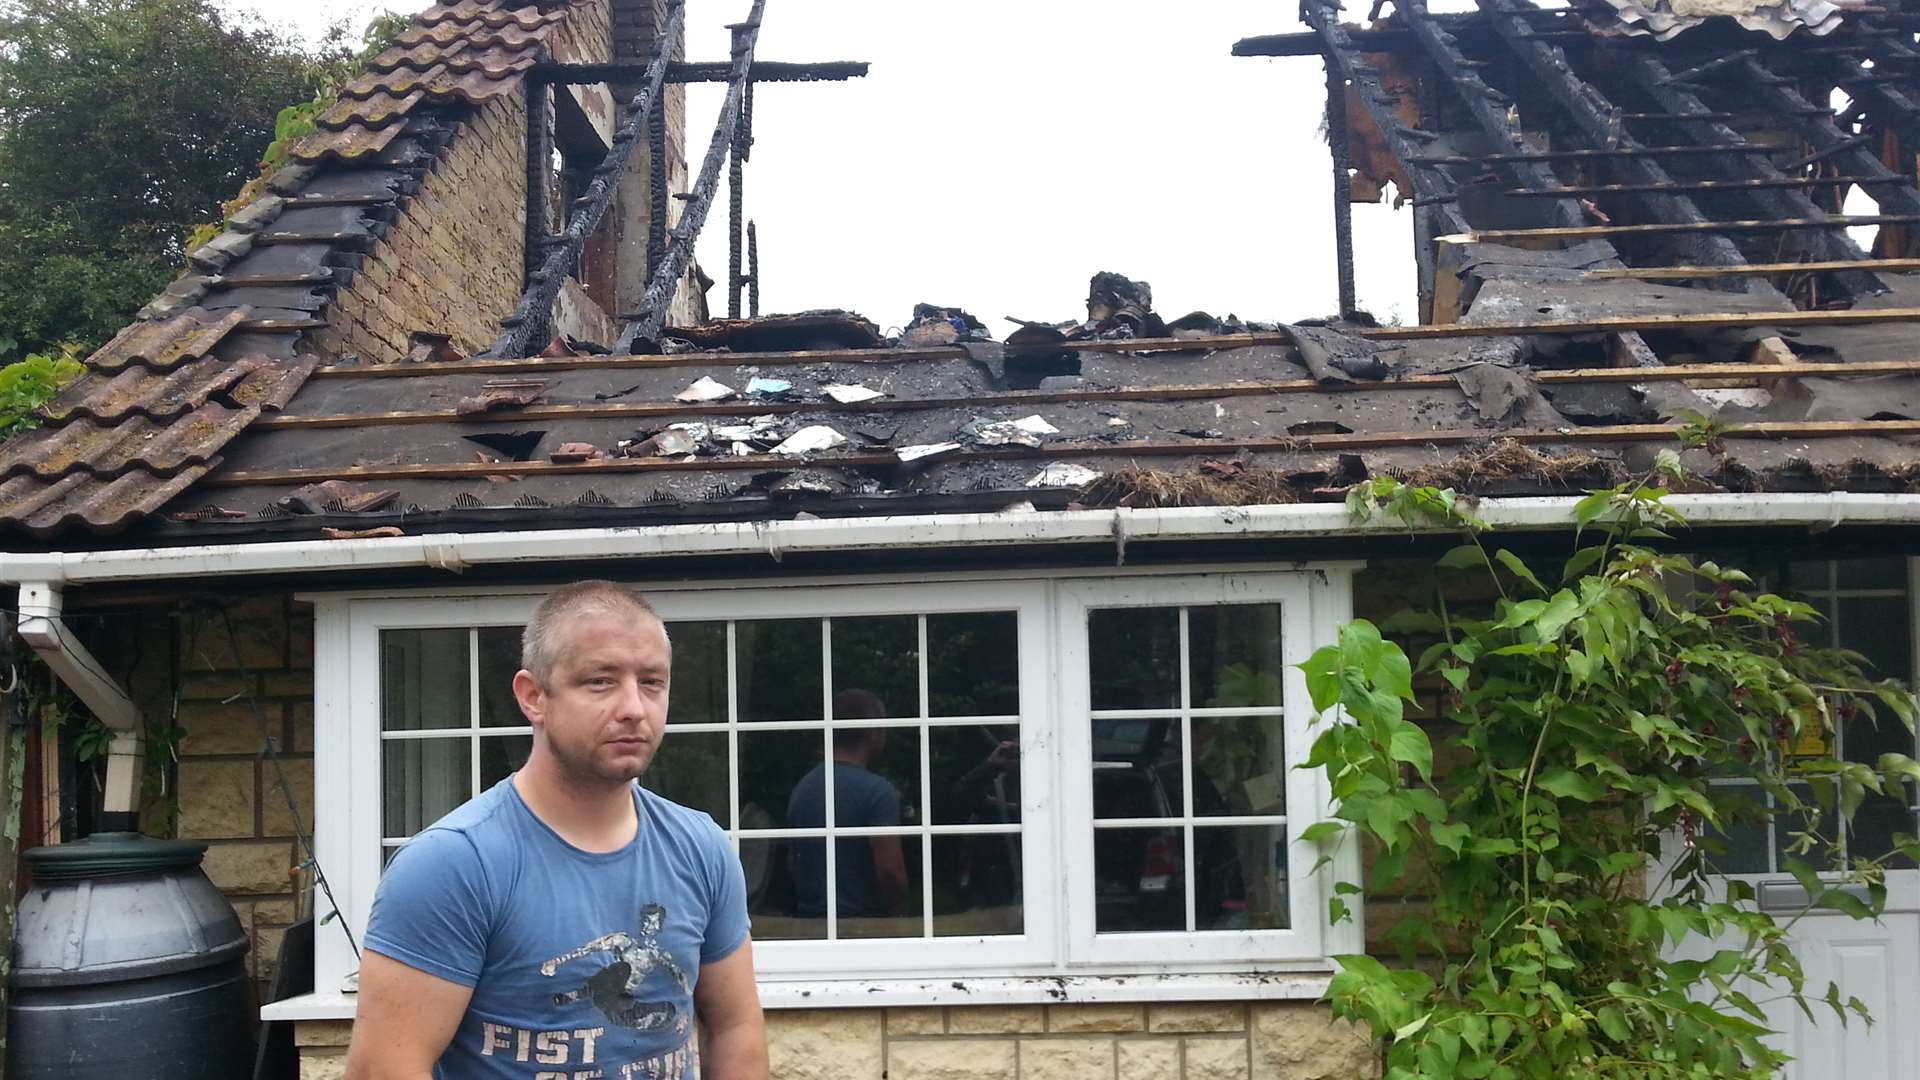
[1134, 657]
[1233, 656]
[769, 874]
[976, 774]
[699, 694]
[973, 664]
[1240, 877]
[690, 768]
[1137, 771]
[976, 884]
[1140, 880]
[421, 781]
[423, 679]
[778, 665]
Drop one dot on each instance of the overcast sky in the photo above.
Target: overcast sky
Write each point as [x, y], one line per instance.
[1003, 151]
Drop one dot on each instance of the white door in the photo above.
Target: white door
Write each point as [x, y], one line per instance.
[1868, 604]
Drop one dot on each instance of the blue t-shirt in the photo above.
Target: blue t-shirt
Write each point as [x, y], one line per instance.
[582, 964]
[860, 799]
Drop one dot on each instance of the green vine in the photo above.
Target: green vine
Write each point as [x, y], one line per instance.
[1585, 712]
[27, 384]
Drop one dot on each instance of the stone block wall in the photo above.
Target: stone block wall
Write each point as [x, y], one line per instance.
[451, 262]
[1210, 1041]
[234, 692]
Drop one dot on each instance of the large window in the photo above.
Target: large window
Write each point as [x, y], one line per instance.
[885, 760]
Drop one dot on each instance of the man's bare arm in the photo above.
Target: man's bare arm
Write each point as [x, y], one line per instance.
[728, 1003]
[402, 1021]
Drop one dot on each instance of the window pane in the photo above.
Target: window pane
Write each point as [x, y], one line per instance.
[779, 669]
[876, 777]
[421, 780]
[1139, 880]
[976, 775]
[976, 885]
[1879, 628]
[1746, 837]
[1884, 572]
[1136, 769]
[881, 887]
[499, 662]
[973, 664]
[690, 768]
[876, 667]
[1134, 657]
[1238, 766]
[1870, 834]
[500, 755]
[423, 679]
[1234, 656]
[772, 764]
[768, 865]
[1240, 877]
[699, 673]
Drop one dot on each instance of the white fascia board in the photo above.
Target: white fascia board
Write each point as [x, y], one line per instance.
[455, 551]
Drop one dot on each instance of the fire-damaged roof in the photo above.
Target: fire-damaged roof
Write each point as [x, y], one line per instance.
[223, 344]
[1628, 245]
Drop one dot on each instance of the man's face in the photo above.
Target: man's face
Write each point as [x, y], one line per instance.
[604, 708]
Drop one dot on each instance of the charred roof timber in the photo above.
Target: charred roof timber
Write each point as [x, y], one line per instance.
[1672, 161]
[551, 258]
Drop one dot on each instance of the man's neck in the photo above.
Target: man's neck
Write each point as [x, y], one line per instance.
[595, 816]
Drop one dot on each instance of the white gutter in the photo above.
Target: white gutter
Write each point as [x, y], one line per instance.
[76, 666]
[456, 551]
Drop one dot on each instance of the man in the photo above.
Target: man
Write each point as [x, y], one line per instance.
[567, 923]
[872, 872]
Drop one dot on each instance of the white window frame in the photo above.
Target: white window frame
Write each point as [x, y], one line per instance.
[1057, 939]
[1306, 908]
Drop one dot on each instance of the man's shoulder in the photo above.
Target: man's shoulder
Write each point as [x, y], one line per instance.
[479, 824]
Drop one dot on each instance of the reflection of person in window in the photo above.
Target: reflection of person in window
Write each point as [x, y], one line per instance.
[989, 864]
[871, 871]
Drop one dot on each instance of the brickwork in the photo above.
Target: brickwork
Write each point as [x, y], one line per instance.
[226, 792]
[1216, 1041]
[451, 262]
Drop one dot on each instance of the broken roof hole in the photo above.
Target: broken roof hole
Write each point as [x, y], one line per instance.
[516, 445]
[1026, 371]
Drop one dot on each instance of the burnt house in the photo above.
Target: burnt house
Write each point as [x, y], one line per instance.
[458, 351]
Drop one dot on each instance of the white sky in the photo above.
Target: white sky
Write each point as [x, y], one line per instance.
[1002, 151]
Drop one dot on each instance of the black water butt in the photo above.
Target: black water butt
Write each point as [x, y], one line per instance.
[127, 964]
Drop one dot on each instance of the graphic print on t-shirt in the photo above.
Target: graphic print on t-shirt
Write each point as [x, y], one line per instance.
[615, 989]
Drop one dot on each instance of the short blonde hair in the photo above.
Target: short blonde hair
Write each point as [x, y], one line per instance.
[541, 641]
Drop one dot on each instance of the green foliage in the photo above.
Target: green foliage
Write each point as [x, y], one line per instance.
[31, 383]
[1587, 706]
[122, 123]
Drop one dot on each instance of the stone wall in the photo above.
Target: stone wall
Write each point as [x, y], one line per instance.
[451, 262]
[234, 693]
[1212, 1041]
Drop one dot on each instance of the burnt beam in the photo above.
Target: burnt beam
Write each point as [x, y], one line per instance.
[702, 72]
[1817, 126]
[526, 329]
[1783, 202]
[1489, 109]
[643, 329]
[1343, 56]
[1595, 118]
